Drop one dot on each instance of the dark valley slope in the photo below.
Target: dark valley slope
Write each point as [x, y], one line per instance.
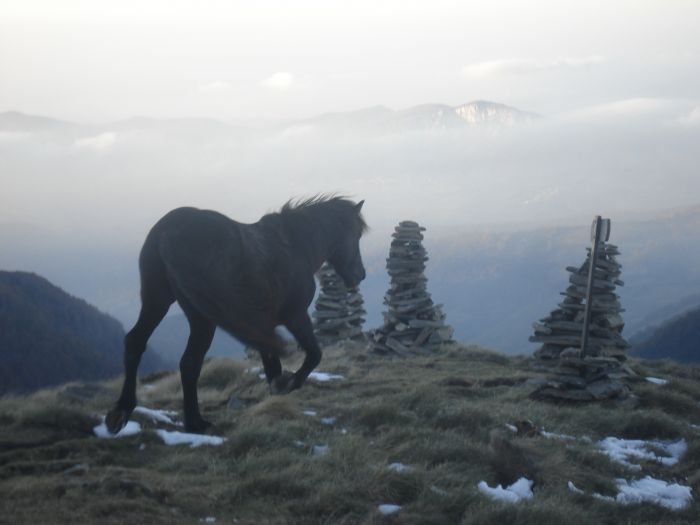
[48, 337]
[677, 339]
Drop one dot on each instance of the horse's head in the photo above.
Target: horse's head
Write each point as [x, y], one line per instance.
[345, 256]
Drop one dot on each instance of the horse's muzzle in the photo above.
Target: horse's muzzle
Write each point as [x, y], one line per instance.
[356, 278]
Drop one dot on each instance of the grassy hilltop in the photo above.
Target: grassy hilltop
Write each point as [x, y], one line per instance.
[442, 415]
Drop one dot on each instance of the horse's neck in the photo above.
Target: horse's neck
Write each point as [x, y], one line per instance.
[313, 244]
[305, 240]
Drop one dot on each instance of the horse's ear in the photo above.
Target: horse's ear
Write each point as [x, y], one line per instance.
[358, 206]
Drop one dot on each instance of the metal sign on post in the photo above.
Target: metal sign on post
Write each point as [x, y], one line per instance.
[600, 232]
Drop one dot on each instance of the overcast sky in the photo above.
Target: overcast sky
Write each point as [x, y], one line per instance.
[619, 83]
[94, 60]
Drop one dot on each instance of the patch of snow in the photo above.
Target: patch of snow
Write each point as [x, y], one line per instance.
[142, 447]
[388, 508]
[130, 429]
[603, 498]
[675, 450]
[148, 388]
[521, 489]
[256, 370]
[310, 413]
[208, 519]
[563, 437]
[398, 467]
[328, 420]
[299, 444]
[656, 380]
[437, 490]
[320, 450]
[669, 495]
[343, 431]
[184, 438]
[624, 450]
[573, 488]
[512, 428]
[162, 416]
[324, 376]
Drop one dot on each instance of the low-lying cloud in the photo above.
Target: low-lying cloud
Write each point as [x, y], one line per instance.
[280, 81]
[218, 86]
[623, 158]
[101, 142]
[519, 66]
[691, 118]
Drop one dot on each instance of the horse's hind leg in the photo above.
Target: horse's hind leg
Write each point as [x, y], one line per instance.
[271, 365]
[302, 330]
[153, 309]
[201, 335]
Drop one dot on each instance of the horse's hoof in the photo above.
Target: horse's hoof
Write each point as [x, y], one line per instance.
[197, 427]
[116, 419]
[283, 384]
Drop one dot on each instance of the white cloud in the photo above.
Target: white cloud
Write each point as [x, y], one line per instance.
[7, 136]
[101, 142]
[218, 86]
[690, 119]
[543, 195]
[631, 107]
[280, 81]
[526, 65]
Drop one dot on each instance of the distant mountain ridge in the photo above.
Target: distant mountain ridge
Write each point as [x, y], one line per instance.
[678, 339]
[18, 121]
[48, 337]
[425, 117]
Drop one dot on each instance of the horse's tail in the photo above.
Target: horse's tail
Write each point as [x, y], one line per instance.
[194, 279]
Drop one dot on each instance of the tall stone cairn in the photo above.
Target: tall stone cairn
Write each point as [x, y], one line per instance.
[595, 375]
[412, 321]
[339, 312]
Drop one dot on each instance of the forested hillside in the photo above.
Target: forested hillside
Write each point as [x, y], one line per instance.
[48, 337]
[677, 339]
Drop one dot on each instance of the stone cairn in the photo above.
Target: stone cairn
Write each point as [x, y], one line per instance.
[595, 375]
[339, 312]
[412, 321]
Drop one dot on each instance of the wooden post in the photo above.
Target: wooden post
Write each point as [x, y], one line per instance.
[595, 237]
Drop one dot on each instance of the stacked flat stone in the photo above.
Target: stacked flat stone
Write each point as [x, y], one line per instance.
[339, 312]
[412, 321]
[595, 375]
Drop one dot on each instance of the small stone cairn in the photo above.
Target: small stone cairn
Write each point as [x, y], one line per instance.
[412, 321]
[596, 375]
[339, 312]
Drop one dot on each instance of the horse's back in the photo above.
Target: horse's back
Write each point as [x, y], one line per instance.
[212, 264]
[191, 240]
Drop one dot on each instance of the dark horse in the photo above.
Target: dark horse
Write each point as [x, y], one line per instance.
[245, 278]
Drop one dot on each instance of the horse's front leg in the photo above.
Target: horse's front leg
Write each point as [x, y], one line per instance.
[302, 330]
[201, 335]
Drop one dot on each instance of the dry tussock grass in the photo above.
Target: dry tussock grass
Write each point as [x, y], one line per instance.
[277, 407]
[442, 414]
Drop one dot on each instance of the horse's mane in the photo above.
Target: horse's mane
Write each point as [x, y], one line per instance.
[328, 202]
